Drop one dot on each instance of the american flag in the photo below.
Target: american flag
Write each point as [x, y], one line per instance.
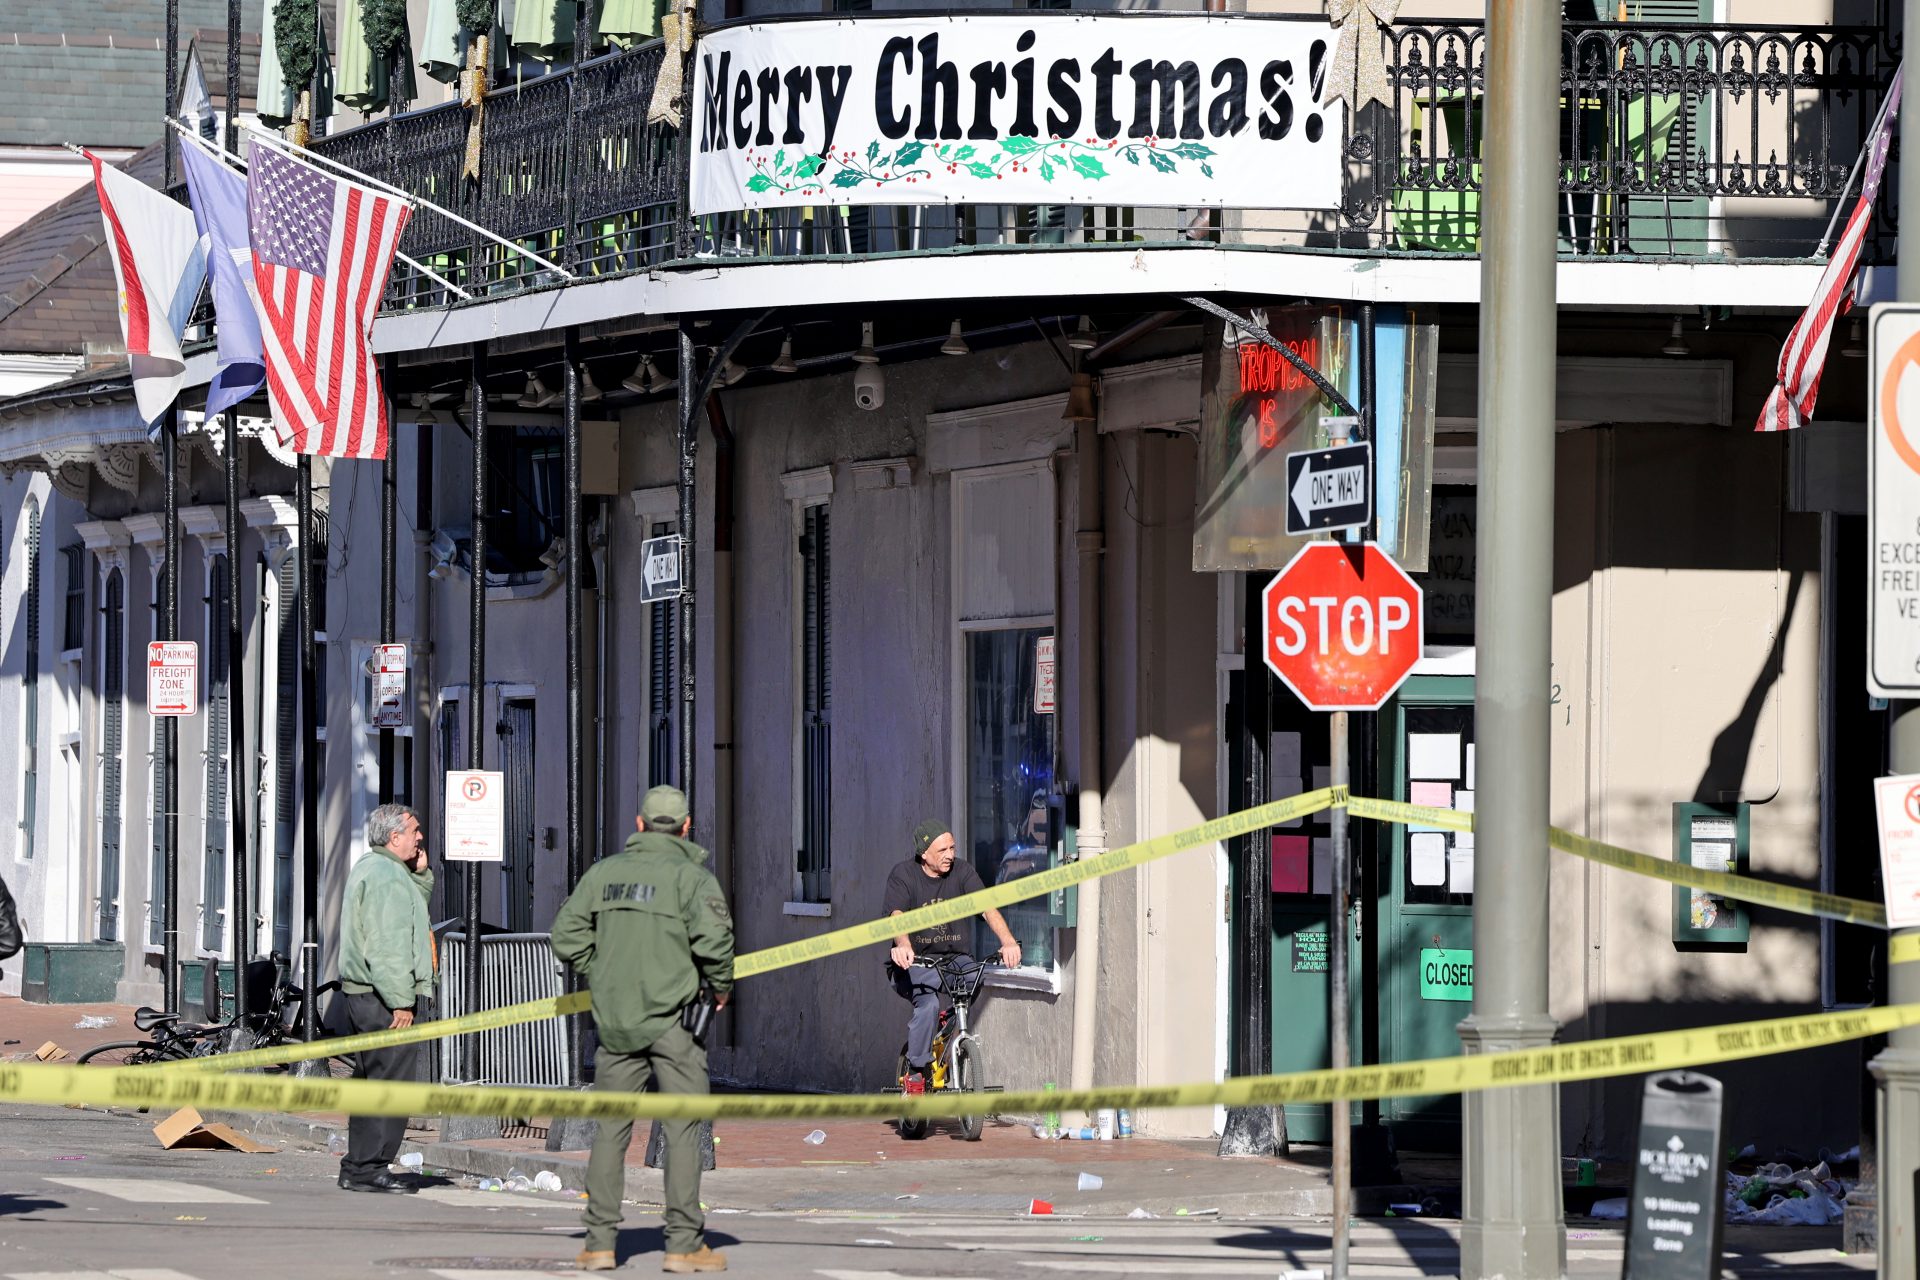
[1797, 383]
[322, 247]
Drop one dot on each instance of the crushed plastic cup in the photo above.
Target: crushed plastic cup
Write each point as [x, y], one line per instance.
[412, 1160]
[1038, 1207]
[521, 1183]
[546, 1180]
[1091, 1182]
[336, 1145]
[491, 1184]
[1142, 1213]
[91, 1021]
[815, 1138]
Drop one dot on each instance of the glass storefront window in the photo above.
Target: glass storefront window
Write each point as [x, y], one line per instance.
[1009, 776]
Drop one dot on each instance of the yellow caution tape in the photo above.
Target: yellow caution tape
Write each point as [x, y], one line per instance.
[1904, 948]
[1558, 1064]
[785, 956]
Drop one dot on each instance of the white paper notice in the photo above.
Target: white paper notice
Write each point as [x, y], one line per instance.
[1470, 785]
[1460, 864]
[1322, 865]
[1427, 857]
[1283, 770]
[1898, 799]
[1463, 799]
[1433, 755]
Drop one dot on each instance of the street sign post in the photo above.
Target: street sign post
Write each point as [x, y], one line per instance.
[1893, 503]
[389, 694]
[660, 569]
[1341, 626]
[476, 816]
[1330, 489]
[173, 678]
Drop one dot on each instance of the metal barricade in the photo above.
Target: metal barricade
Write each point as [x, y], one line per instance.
[514, 968]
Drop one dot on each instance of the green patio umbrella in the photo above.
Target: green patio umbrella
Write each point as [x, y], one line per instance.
[443, 46]
[276, 97]
[626, 23]
[364, 75]
[543, 30]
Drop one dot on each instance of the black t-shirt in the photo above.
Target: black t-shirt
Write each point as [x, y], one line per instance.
[909, 888]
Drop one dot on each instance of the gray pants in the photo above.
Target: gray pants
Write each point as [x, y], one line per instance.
[373, 1141]
[921, 985]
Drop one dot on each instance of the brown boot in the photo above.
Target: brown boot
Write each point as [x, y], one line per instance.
[686, 1264]
[596, 1260]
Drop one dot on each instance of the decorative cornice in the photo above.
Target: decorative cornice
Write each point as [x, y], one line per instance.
[883, 473]
[147, 529]
[107, 539]
[814, 482]
[661, 503]
[71, 479]
[209, 524]
[276, 518]
[119, 466]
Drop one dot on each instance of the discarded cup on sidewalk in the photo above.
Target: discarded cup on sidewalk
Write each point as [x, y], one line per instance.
[815, 1138]
[491, 1184]
[1038, 1207]
[546, 1180]
[1142, 1213]
[91, 1021]
[412, 1160]
[1126, 1123]
[336, 1145]
[1091, 1182]
[1107, 1122]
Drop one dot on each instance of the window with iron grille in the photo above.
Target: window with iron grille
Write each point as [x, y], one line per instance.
[663, 622]
[30, 690]
[815, 861]
[73, 632]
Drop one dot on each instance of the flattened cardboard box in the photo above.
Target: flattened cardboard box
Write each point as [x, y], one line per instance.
[185, 1130]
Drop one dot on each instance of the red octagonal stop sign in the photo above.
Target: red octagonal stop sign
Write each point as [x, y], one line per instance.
[1341, 625]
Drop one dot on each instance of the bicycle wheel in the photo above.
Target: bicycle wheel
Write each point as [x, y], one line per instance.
[915, 1128]
[967, 1079]
[121, 1053]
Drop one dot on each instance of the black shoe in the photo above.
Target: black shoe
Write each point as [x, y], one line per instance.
[382, 1181]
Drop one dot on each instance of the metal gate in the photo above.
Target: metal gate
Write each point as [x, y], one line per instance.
[516, 765]
[514, 968]
[113, 683]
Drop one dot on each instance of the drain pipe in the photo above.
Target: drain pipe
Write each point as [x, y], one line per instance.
[1090, 541]
[724, 472]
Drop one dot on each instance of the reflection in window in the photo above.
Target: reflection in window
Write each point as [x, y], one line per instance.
[1009, 776]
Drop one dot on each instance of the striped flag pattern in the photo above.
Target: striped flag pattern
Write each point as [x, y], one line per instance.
[1797, 382]
[322, 248]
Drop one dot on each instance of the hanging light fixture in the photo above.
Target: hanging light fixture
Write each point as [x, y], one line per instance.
[423, 416]
[956, 343]
[1084, 338]
[536, 396]
[1080, 399]
[730, 373]
[589, 389]
[783, 363]
[1677, 342]
[1856, 346]
[645, 379]
[866, 354]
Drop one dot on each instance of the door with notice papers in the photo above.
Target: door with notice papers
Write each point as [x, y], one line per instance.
[1425, 940]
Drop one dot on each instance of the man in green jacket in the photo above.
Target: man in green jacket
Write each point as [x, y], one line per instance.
[648, 930]
[386, 975]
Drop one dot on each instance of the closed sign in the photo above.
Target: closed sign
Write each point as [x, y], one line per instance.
[1446, 975]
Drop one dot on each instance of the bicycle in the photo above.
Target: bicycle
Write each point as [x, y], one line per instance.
[273, 1020]
[957, 1064]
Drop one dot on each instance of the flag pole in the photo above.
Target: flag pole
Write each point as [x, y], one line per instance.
[170, 606]
[234, 159]
[1860, 160]
[413, 201]
[240, 910]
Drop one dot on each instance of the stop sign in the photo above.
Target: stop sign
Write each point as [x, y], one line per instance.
[1341, 625]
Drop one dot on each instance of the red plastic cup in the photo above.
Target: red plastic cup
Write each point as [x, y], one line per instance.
[1037, 1207]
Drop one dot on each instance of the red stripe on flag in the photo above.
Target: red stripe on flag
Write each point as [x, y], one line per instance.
[369, 268]
[138, 337]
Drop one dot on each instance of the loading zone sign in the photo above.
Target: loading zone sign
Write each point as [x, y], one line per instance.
[173, 678]
[660, 562]
[1329, 489]
[476, 816]
[1893, 502]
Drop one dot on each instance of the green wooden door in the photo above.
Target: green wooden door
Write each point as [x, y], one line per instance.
[1667, 137]
[1425, 939]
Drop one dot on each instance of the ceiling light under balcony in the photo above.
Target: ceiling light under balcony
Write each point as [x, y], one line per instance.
[538, 394]
[783, 363]
[730, 373]
[1856, 347]
[1080, 399]
[866, 354]
[1676, 341]
[1084, 338]
[589, 389]
[956, 343]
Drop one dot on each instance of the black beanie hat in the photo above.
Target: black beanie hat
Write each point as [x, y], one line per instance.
[926, 833]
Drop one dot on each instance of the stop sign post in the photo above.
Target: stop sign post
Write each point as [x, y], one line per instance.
[1341, 626]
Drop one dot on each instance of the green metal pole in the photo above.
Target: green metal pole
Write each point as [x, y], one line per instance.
[1897, 1067]
[1512, 1224]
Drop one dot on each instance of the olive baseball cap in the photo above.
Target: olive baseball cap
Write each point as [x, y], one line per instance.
[664, 806]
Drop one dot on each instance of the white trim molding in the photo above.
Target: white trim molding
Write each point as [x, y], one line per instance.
[209, 524]
[812, 484]
[107, 539]
[662, 502]
[882, 473]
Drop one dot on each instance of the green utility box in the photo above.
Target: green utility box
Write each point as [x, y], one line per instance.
[71, 972]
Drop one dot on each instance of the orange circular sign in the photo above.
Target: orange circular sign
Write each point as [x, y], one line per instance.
[1903, 445]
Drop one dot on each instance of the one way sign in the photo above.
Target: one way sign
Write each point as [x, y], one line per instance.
[660, 569]
[1330, 489]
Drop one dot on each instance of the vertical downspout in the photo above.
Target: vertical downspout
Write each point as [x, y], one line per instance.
[723, 608]
[1090, 541]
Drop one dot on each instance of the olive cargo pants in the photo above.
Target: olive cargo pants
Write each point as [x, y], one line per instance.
[680, 1066]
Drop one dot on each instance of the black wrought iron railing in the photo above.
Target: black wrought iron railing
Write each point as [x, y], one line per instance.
[1677, 141]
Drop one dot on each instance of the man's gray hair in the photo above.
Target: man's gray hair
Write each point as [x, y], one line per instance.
[386, 821]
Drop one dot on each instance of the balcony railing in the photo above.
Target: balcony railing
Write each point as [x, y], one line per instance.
[1677, 141]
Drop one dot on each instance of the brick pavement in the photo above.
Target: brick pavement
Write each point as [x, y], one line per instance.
[25, 1027]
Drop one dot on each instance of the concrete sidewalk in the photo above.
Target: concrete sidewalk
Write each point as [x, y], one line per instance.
[25, 1027]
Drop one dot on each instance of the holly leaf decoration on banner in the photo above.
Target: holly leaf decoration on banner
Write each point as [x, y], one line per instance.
[807, 166]
[963, 153]
[1161, 161]
[1088, 167]
[873, 151]
[1133, 157]
[780, 160]
[759, 182]
[1192, 151]
[907, 154]
[1046, 171]
[849, 178]
[1020, 145]
[979, 170]
[1207, 169]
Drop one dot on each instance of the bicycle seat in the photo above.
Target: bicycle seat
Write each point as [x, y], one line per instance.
[147, 1019]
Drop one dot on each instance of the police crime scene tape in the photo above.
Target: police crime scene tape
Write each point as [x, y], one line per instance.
[1559, 1064]
[875, 932]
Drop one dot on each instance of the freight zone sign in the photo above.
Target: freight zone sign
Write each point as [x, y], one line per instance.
[1893, 503]
[173, 678]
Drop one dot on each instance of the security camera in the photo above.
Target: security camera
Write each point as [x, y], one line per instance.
[869, 386]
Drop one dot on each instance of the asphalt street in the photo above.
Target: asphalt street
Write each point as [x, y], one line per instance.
[87, 1195]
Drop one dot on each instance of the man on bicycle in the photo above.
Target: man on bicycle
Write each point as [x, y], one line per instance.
[931, 875]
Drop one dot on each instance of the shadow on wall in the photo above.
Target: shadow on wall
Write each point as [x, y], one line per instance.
[1726, 768]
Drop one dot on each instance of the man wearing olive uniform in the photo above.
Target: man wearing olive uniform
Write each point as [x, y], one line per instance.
[647, 929]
